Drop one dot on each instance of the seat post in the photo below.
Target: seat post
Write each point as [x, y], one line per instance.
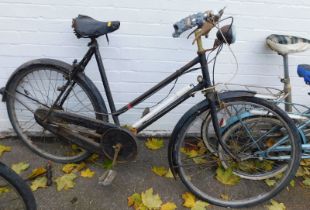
[287, 84]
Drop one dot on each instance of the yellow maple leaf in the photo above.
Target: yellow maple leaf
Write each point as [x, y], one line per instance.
[87, 173]
[73, 167]
[40, 182]
[168, 206]
[169, 174]
[93, 158]
[4, 149]
[150, 200]
[189, 200]
[226, 176]
[154, 143]
[159, 170]
[20, 167]
[276, 205]
[191, 153]
[135, 200]
[200, 205]
[66, 181]
[36, 172]
[4, 190]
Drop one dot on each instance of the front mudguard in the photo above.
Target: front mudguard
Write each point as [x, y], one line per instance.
[193, 112]
[59, 65]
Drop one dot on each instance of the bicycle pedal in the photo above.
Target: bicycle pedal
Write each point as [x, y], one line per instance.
[107, 177]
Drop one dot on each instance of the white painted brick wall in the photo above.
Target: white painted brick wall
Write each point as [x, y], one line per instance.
[142, 52]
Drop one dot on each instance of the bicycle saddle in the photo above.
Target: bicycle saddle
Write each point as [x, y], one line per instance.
[87, 27]
[284, 44]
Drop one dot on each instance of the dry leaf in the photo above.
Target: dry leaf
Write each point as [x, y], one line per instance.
[306, 182]
[200, 205]
[66, 181]
[276, 206]
[135, 201]
[226, 176]
[87, 173]
[169, 174]
[36, 172]
[154, 143]
[168, 206]
[225, 197]
[4, 149]
[159, 170]
[4, 190]
[189, 200]
[270, 182]
[93, 158]
[40, 182]
[20, 167]
[73, 167]
[150, 200]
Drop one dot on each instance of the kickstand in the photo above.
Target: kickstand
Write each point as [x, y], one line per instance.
[109, 175]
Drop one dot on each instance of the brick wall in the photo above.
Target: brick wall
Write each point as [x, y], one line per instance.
[142, 51]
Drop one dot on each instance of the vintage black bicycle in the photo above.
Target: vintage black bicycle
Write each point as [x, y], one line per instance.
[14, 191]
[60, 114]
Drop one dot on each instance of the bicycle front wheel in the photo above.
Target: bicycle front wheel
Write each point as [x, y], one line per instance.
[262, 137]
[39, 86]
[14, 192]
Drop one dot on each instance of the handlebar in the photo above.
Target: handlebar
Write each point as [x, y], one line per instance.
[189, 22]
[195, 20]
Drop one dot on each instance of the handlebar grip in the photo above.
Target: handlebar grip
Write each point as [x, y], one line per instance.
[188, 23]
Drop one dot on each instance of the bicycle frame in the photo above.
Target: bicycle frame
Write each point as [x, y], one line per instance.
[183, 95]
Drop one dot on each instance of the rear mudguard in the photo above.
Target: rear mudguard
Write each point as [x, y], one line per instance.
[194, 111]
[56, 64]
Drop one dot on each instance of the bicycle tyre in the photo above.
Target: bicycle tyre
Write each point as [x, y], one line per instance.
[189, 120]
[19, 185]
[86, 85]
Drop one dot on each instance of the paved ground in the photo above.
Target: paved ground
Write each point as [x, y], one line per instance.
[132, 177]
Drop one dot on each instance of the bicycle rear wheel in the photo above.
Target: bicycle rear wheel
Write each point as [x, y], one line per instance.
[14, 192]
[217, 178]
[39, 86]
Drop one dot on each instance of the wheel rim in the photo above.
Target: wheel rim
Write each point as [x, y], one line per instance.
[216, 190]
[34, 90]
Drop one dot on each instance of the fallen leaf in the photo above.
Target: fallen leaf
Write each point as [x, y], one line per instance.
[4, 190]
[66, 181]
[150, 200]
[168, 206]
[292, 183]
[4, 149]
[306, 182]
[305, 162]
[189, 200]
[87, 173]
[159, 170]
[169, 174]
[226, 176]
[20, 167]
[40, 182]
[107, 164]
[36, 172]
[93, 158]
[200, 205]
[276, 206]
[73, 167]
[270, 182]
[154, 143]
[191, 153]
[135, 200]
[225, 197]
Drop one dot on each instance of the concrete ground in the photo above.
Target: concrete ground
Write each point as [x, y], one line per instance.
[132, 177]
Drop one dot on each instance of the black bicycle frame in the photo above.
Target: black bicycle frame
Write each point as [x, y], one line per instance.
[200, 59]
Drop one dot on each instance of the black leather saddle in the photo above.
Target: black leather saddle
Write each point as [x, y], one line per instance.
[87, 27]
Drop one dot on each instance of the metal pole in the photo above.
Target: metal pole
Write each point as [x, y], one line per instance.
[287, 85]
